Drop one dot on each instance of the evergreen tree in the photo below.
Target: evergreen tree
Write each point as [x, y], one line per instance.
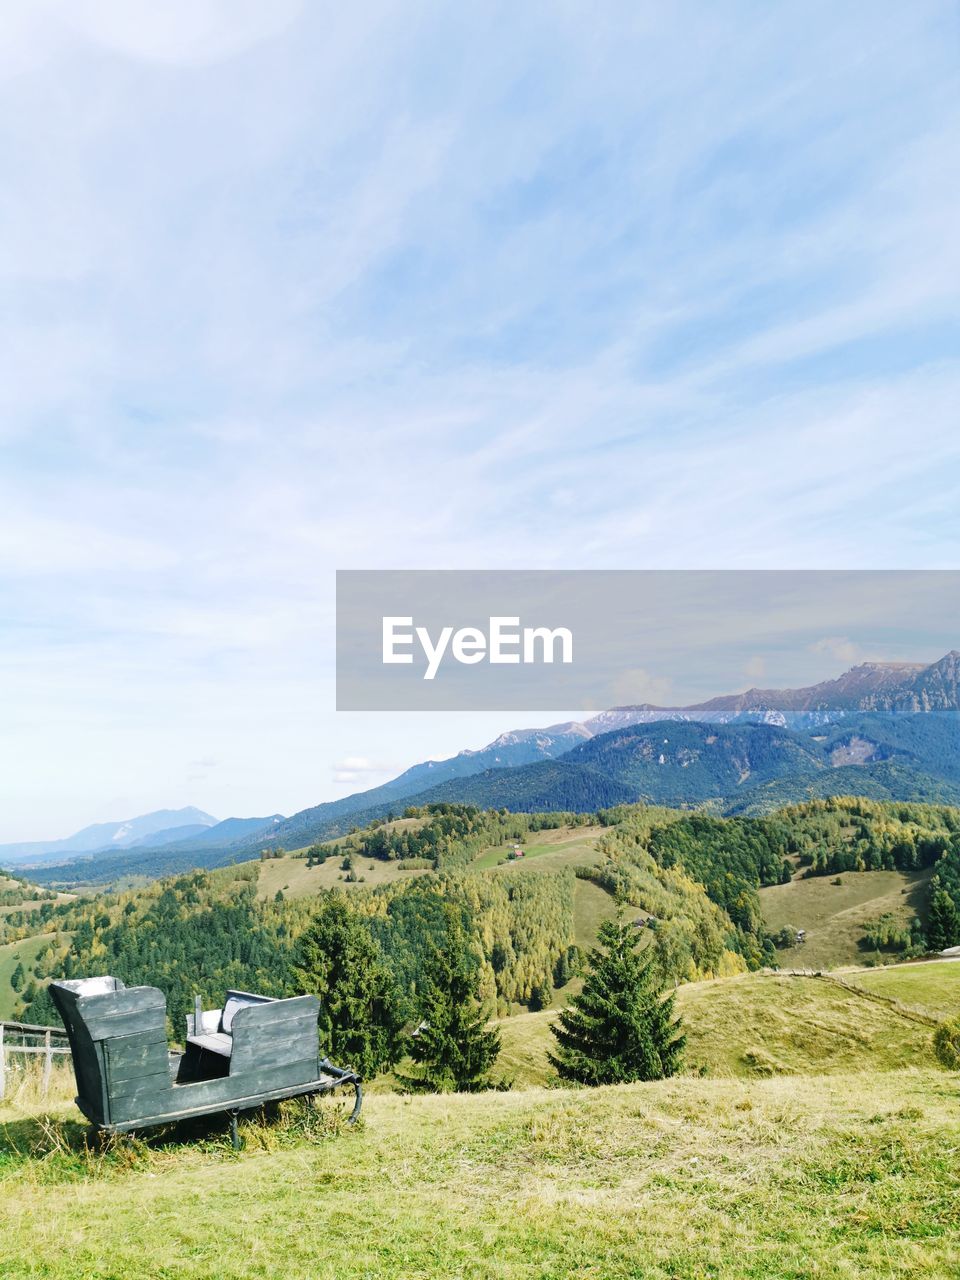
[943, 925]
[18, 977]
[621, 1027]
[452, 1047]
[360, 1023]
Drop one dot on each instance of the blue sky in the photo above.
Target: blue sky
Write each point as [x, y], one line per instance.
[287, 288]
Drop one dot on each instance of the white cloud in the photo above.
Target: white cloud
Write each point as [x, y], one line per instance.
[177, 32]
[637, 686]
[842, 650]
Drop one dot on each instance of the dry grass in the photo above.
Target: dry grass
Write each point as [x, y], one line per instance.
[24, 1082]
[295, 879]
[834, 914]
[841, 1177]
[932, 986]
[757, 1025]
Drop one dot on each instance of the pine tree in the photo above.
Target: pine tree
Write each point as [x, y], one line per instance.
[18, 977]
[360, 1023]
[621, 1027]
[943, 925]
[452, 1047]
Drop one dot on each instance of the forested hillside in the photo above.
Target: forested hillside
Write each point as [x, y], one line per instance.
[742, 768]
[202, 933]
[694, 879]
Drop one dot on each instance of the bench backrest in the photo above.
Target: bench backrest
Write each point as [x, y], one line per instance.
[275, 1033]
[118, 1041]
[234, 1001]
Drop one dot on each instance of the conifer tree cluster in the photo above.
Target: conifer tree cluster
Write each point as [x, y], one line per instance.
[452, 1048]
[360, 1017]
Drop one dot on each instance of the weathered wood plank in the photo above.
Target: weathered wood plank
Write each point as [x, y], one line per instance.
[289, 1032]
[268, 1050]
[240, 1102]
[112, 1025]
[47, 1065]
[36, 1048]
[254, 1081]
[33, 1028]
[129, 1000]
[146, 1055]
[278, 1011]
[133, 1097]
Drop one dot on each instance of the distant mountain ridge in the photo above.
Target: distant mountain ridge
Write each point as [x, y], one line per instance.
[886, 730]
[890, 688]
[113, 835]
[736, 768]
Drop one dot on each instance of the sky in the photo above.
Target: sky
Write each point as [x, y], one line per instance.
[287, 288]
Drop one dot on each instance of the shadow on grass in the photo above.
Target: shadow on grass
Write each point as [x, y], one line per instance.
[57, 1147]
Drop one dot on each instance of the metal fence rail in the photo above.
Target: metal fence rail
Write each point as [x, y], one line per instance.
[28, 1038]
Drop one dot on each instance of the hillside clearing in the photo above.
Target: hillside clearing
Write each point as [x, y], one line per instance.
[559, 847]
[294, 879]
[845, 1176]
[834, 914]
[759, 1024]
[25, 953]
[932, 985]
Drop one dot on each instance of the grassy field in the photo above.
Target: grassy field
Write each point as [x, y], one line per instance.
[32, 903]
[565, 846]
[295, 879]
[24, 952]
[839, 1177]
[933, 986]
[754, 1026]
[834, 914]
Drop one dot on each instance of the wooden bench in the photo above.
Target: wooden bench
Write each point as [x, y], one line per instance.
[212, 1031]
[254, 1050]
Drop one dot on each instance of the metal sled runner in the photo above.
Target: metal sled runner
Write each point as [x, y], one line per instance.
[253, 1050]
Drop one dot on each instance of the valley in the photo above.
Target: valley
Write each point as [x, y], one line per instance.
[881, 731]
[809, 1114]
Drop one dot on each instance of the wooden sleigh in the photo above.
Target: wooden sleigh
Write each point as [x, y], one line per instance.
[253, 1050]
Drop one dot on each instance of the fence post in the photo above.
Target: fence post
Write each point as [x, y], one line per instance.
[47, 1063]
[3, 1064]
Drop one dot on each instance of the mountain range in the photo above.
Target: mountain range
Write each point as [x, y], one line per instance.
[151, 830]
[893, 689]
[887, 730]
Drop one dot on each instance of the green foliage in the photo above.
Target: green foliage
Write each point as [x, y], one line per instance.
[647, 856]
[452, 1048]
[850, 833]
[943, 923]
[15, 891]
[887, 933]
[444, 836]
[203, 933]
[946, 1044]
[360, 1019]
[199, 934]
[621, 1027]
